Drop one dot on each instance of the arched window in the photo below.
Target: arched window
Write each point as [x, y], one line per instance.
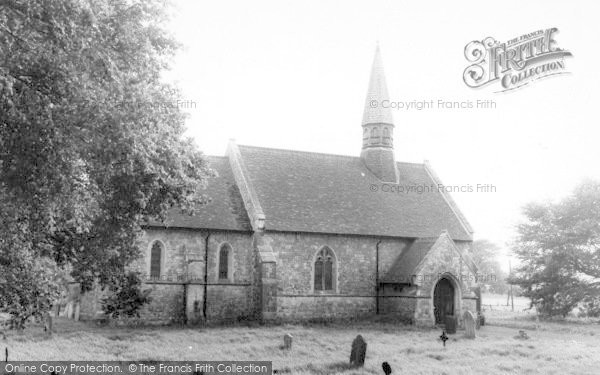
[386, 133]
[156, 253]
[375, 132]
[224, 262]
[325, 270]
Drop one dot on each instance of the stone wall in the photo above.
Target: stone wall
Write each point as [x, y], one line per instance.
[354, 281]
[180, 293]
[166, 306]
[181, 288]
[227, 299]
[444, 261]
[398, 300]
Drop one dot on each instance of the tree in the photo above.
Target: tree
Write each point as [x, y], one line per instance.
[559, 249]
[91, 141]
[485, 256]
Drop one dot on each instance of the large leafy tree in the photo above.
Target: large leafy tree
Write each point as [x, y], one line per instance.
[91, 142]
[559, 249]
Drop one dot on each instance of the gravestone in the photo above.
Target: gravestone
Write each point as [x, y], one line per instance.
[387, 369]
[69, 312]
[287, 341]
[76, 312]
[48, 323]
[469, 319]
[444, 338]
[359, 352]
[450, 323]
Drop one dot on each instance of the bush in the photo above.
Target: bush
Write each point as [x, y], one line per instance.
[126, 298]
[590, 308]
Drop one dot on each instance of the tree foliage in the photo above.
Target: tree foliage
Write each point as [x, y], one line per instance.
[559, 249]
[126, 296]
[91, 139]
[485, 256]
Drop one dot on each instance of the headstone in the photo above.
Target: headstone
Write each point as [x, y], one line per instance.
[77, 310]
[70, 310]
[450, 323]
[287, 341]
[478, 300]
[359, 352]
[469, 319]
[48, 323]
[387, 369]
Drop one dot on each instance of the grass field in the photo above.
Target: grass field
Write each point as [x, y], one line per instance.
[555, 348]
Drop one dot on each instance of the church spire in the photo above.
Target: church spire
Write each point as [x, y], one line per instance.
[377, 102]
[378, 126]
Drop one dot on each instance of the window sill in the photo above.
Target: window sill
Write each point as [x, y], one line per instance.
[325, 292]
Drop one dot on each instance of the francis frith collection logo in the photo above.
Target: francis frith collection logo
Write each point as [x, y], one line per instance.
[514, 63]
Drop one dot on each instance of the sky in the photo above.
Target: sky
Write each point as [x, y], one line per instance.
[294, 75]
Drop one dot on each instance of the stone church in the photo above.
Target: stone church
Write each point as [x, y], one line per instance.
[291, 235]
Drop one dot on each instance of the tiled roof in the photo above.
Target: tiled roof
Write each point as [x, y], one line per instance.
[405, 265]
[313, 192]
[224, 211]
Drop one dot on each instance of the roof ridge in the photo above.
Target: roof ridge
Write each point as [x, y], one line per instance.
[318, 153]
[300, 151]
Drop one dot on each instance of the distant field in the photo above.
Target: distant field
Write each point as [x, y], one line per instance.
[556, 348]
[498, 302]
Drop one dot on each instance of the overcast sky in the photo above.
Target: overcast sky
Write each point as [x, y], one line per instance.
[294, 75]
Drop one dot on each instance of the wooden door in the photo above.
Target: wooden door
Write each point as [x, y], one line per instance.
[443, 300]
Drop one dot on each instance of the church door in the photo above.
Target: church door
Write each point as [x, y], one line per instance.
[443, 300]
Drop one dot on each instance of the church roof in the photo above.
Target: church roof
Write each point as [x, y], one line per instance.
[225, 211]
[295, 191]
[323, 193]
[405, 265]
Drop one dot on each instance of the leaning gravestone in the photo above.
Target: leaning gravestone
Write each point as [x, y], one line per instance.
[359, 352]
[287, 341]
[469, 319]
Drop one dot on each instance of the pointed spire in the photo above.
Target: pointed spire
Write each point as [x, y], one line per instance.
[376, 110]
[378, 127]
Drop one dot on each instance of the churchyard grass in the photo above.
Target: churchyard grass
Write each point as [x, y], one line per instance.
[557, 347]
